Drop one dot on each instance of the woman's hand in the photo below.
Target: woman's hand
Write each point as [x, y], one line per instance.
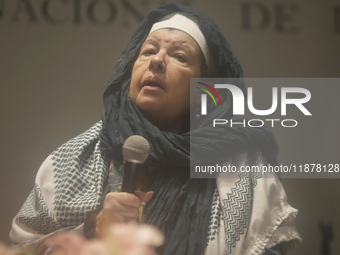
[120, 207]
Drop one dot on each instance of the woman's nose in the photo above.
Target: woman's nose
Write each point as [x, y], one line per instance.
[157, 63]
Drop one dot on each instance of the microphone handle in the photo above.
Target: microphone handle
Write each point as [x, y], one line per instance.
[131, 173]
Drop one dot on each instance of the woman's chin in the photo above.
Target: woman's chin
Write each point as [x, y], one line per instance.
[150, 105]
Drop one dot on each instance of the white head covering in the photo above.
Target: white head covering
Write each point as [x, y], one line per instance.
[189, 26]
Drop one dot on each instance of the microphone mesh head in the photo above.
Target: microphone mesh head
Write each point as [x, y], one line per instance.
[136, 149]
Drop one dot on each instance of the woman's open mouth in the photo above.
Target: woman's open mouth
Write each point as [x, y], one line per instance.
[152, 83]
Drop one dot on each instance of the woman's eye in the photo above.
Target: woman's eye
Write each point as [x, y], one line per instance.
[180, 58]
[148, 52]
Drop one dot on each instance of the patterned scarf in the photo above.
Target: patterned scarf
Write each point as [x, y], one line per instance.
[244, 218]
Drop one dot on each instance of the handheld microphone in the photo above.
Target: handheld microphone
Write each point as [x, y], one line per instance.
[136, 150]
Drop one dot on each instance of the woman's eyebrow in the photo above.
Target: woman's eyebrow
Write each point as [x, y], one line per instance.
[177, 45]
[182, 45]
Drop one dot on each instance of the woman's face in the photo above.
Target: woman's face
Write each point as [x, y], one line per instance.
[160, 82]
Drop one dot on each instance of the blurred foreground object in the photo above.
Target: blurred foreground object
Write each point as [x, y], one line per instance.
[121, 239]
[4, 250]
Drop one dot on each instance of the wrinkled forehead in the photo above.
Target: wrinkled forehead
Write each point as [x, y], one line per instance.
[171, 36]
[187, 25]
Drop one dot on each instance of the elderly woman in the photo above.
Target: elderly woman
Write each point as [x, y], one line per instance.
[148, 95]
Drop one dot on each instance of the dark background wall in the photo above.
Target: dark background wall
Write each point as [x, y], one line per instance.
[56, 57]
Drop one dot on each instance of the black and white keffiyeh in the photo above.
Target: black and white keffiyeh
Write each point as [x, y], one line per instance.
[243, 218]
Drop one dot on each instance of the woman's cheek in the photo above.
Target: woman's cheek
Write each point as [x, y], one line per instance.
[133, 91]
